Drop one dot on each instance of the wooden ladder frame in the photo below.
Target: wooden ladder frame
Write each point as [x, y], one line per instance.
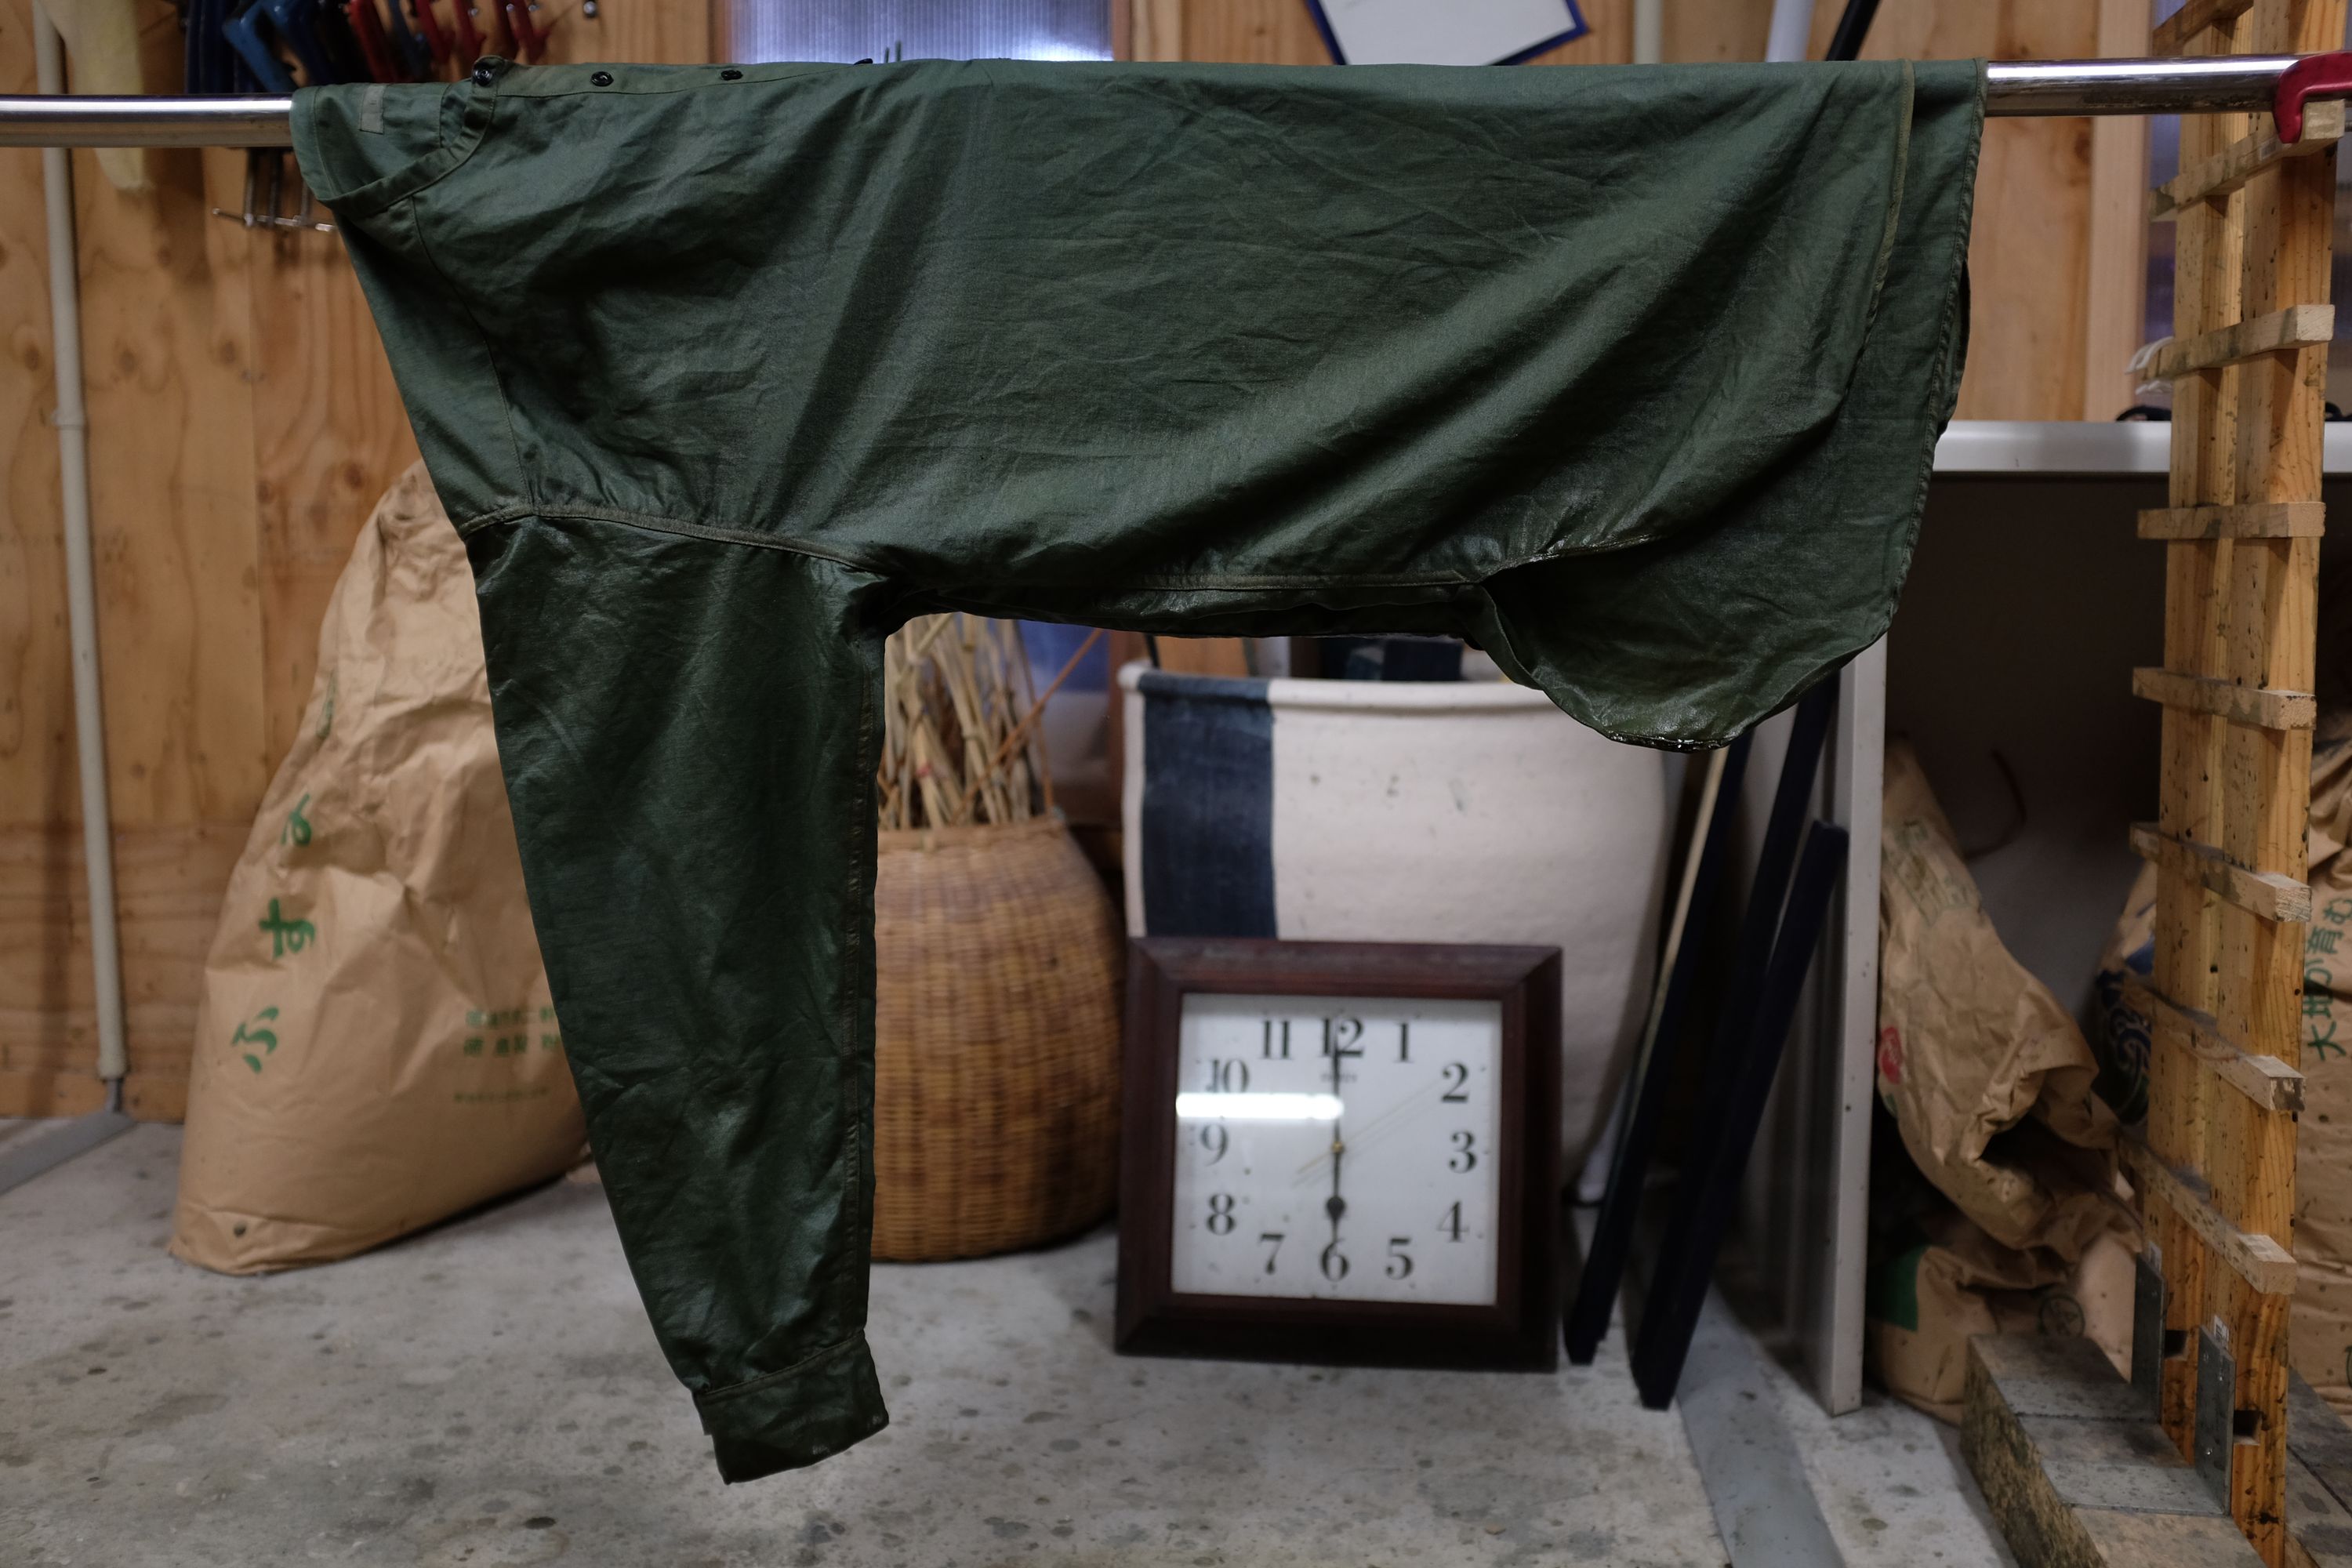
[2248, 362]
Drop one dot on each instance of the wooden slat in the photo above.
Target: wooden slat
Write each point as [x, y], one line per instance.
[2294, 327]
[2266, 1081]
[2257, 706]
[2267, 1267]
[2241, 159]
[2264, 893]
[2253, 519]
[2185, 23]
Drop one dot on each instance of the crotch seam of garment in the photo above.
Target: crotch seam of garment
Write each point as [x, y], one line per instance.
[754, 1384]
[518, 511]
[857, 916]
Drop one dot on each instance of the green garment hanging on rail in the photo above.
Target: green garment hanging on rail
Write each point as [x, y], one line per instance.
[1630, 375]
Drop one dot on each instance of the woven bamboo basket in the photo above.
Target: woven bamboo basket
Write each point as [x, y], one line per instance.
[996, 1038]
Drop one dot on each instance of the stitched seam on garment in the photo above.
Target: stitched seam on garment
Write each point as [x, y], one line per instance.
[843, 558]
[857, 921]
[1892, 231]
[1956, 250]
[1564, 550]
[481, 138]
[767, 1379]
[497, 376]
[753, 75]
[381, 195]
[665, 525]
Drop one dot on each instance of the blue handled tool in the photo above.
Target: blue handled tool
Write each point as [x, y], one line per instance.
[246, 35]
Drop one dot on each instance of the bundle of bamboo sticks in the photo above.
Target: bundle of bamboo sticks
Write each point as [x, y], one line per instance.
[961, 738]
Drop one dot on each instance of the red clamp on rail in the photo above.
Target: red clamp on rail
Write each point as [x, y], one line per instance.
[376, 46]
[2314, 76]
[437, 42]
[468, 41]
[530, 42]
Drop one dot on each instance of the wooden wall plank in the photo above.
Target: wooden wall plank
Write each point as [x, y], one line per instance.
[37, 776]
[165, 349]
[2115, 307]
[1721, 31]
[330, 435]
[243, 423]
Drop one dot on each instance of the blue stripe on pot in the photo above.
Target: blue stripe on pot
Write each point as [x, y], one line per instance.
[1208, 807]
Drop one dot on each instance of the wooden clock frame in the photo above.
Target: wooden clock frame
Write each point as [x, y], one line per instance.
[1519, 1331]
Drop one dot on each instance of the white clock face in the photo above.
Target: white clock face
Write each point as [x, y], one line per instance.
[1340, 1148]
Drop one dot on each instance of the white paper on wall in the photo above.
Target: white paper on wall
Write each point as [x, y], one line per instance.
[1447, 32]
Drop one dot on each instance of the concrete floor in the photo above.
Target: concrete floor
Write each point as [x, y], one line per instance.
[489, 1393]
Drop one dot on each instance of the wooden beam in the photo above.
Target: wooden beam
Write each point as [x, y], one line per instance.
[1155, 29]
[2254, 520]
[2266, 1081]
[2267, 1267]
[2257, 706]
[2230, 169]
[2294, 327]
[2183, 25]
[2209, 252]
[2268, 894]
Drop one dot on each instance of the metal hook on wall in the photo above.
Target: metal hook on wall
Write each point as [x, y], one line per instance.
[265, 176]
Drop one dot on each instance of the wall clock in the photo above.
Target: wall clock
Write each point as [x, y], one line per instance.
[1340, 1152]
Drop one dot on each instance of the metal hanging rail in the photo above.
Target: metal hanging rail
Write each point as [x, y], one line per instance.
[2011, 87]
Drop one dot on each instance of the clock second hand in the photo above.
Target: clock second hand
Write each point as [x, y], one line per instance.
[1381, 1124]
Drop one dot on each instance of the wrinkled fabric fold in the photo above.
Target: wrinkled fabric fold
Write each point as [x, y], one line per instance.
[1633, 375]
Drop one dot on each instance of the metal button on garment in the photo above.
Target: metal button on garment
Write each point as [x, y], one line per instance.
[485, 73]
[730, 75]
[602, 78]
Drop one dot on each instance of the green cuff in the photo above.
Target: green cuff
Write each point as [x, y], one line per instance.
[794, 1417]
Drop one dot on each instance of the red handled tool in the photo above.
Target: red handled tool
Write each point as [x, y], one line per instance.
[530, 42]
[373, 46]
[469, 42]
[429, 25]
[2314, 76]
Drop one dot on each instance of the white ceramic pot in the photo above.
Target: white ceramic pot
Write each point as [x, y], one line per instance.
[1472, 812]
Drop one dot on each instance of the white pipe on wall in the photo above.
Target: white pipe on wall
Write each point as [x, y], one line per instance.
[81, 586]
[1649, 32]
[1791, 37]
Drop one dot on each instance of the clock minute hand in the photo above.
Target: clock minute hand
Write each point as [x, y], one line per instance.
[1336, 1205]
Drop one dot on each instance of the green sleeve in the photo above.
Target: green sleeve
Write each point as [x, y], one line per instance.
[689, 730]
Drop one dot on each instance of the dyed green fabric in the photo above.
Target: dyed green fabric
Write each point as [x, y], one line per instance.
[1632, 376]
